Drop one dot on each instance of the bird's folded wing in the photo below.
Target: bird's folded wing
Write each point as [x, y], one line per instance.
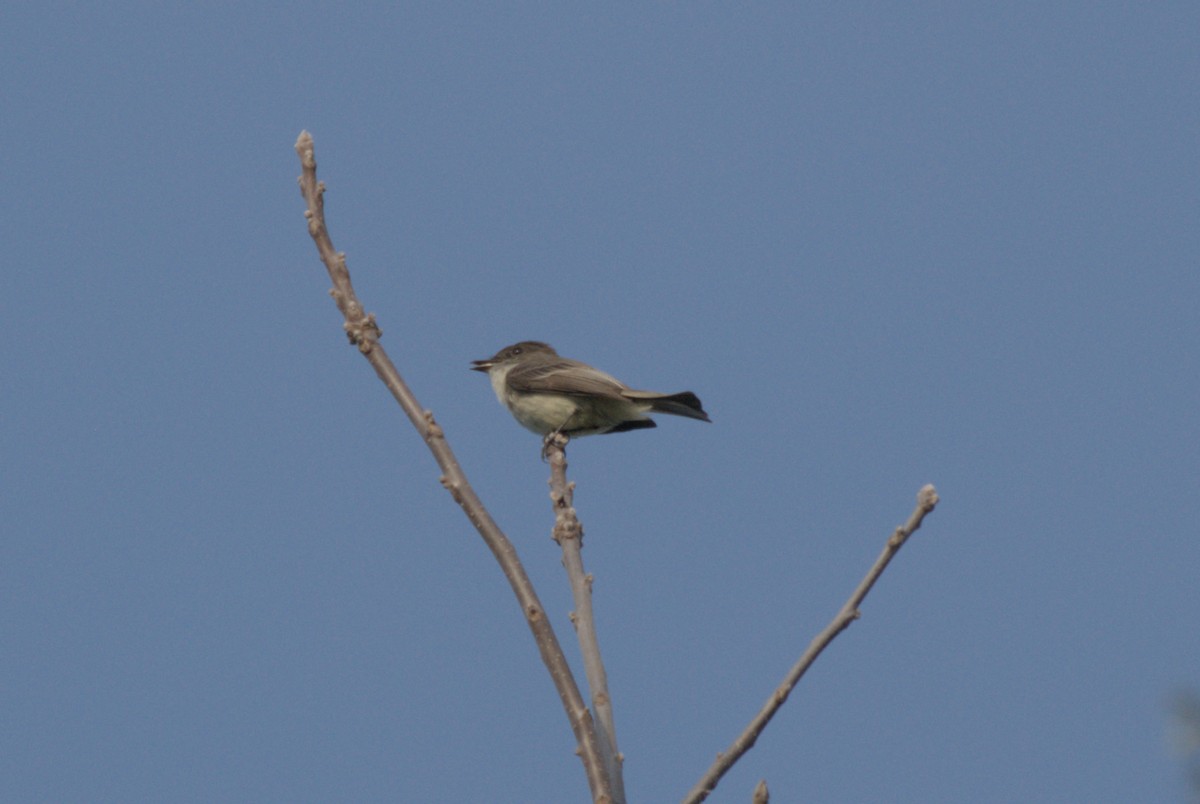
[565, 377]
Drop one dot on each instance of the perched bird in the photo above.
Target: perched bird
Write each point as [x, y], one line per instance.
[549, 394]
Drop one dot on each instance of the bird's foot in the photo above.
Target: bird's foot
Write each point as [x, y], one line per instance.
[553, 438]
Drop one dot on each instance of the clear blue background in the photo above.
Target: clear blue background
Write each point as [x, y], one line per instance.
[887, 245]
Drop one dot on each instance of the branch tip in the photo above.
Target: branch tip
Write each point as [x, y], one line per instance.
[927, 497]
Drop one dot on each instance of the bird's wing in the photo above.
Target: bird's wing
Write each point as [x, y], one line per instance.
[565, 376]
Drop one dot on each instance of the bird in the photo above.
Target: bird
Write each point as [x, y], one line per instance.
[549, 394]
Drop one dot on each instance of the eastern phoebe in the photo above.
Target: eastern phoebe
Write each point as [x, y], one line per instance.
[551, 394]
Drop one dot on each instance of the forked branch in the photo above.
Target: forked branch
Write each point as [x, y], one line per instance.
[364, 333]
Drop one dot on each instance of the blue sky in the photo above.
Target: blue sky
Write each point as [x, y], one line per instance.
[887, 245]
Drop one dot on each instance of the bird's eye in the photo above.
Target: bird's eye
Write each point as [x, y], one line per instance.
[517, 350]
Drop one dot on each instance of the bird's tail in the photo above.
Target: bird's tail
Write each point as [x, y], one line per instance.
[684, 403]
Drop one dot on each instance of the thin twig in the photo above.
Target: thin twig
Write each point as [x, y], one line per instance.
[568, 532]
[364, 333]
[927, 498]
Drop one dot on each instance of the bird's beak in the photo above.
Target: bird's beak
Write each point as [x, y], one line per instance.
[481, 365]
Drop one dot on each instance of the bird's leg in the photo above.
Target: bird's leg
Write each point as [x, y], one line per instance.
[557, 432]
[550, 438]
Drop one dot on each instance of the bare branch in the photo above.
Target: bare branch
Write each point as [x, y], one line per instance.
[568, 532]
[364, 333]
[927, 499]
[761, 795]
